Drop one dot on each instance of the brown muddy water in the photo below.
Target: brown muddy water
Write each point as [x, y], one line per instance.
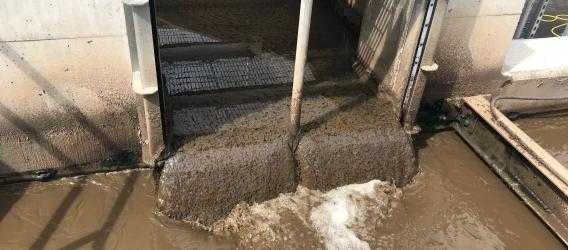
[455, 202]
[550, 131]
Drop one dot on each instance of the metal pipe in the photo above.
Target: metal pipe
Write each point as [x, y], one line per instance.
[299, 67]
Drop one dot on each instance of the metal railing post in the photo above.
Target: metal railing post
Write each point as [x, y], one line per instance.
[299, 68]
[144, 76]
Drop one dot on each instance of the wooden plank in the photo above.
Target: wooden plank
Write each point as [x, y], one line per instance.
[553, 170]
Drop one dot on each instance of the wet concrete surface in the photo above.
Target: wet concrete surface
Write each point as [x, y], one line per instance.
[203, 187]
[225, 137]
[234, 147]
[456, 202]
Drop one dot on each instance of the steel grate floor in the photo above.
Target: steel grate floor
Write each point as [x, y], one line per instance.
[173, 36]
[264, 70]
[203, 120]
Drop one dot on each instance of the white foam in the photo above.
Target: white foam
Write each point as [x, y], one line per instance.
[342, 208]
[343, 218]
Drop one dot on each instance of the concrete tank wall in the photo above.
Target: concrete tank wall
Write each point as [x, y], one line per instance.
[65, 96]
[474, 39]
[473, 43]
[24, 20]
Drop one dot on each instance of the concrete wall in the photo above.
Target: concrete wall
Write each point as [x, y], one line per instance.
[474, 41]
[24, 20]
[65, 96]
[387, 42]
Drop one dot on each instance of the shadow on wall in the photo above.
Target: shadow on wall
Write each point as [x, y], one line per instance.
[61, 100]
[28, 129]
[17, 190]
[35, 135]
[382, 34]
[11, 194]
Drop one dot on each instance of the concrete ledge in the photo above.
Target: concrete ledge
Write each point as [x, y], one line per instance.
[205, 186]
[537, 58]
[543, 88]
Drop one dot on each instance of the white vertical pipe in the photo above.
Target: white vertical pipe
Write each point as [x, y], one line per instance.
[300, 65]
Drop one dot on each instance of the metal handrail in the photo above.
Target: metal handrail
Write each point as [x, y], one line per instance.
[299, 70]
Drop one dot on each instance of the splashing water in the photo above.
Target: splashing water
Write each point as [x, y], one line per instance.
[343, 218]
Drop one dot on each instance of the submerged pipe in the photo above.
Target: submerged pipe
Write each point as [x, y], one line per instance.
[299, 68]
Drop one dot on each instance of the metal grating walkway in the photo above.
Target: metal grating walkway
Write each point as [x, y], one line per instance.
[264, 70]
[169, 36]
[203, 120]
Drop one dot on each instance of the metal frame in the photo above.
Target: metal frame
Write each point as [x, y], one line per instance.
[530, 19]
[423, 63]
[510, 153]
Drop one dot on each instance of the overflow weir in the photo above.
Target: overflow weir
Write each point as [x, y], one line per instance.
[229, 100]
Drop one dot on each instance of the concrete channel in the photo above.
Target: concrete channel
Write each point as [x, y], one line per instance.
[303, 124]
[464, 199]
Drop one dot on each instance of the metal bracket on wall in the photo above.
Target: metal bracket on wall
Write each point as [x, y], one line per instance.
[423, 62]
[144, 76]
[530, 178]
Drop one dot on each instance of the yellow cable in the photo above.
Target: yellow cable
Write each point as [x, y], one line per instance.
[557, 18]
[555, 30]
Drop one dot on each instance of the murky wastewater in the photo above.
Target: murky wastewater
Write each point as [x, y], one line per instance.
[455, 202]
[104, 211]
[550, 131]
